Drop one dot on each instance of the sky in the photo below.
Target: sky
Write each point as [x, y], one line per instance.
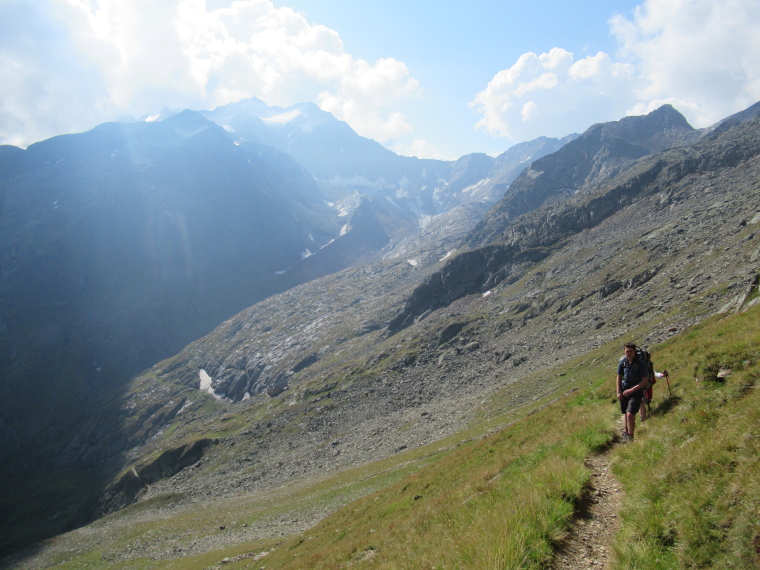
[433, 79]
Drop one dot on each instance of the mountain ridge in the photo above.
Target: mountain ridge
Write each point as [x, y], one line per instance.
[535, 235]
[601, 152]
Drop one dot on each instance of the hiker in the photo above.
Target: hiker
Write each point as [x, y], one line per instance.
[632, 379]
[648, 393]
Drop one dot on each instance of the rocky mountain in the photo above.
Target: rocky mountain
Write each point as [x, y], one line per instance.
[600, 153]
[346, 371]
[411, 190]
[121, 245]
[512, 244]
[377, 358]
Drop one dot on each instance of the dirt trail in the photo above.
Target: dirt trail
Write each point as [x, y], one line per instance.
[596, 522]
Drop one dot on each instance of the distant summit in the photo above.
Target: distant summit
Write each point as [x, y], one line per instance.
[325, 146]
[603, 151]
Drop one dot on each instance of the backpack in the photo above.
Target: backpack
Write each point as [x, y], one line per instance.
[646, 359]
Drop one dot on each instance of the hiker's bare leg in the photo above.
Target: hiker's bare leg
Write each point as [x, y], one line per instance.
[630, 422]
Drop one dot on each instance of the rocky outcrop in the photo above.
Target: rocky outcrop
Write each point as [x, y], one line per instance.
[471, 272]
[124, 491]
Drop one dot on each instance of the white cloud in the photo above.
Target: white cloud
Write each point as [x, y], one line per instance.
[421, 149]
[96, 60]
[40, 70]
[702, 56]
[363, 96]
[553, 94]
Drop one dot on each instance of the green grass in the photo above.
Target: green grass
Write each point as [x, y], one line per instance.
[693, 478]
[498, 502]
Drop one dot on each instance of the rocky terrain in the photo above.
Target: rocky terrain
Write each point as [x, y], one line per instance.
[658, 265]
[120, 245]
[391, 355]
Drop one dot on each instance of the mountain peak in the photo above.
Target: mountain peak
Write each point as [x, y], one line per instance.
[666, 116]
[663, 128]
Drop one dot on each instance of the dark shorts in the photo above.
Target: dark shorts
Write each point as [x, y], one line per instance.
[630, 404]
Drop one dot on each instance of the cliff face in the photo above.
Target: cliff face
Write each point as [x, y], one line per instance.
[532, 237]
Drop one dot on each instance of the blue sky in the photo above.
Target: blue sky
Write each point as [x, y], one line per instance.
[431, 79]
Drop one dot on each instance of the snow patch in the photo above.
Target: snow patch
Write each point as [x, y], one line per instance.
[306, 253]
[205, 380]
[344, 230]
[282, 118]
[477, 186]
[487, 293]
[206, 384]
[392, 201]
[412, 262]
[449, 254]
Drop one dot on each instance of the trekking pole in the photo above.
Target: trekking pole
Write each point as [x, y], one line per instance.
[667, 380]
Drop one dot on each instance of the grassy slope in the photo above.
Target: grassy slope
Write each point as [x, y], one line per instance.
[693, 478]
[504, 500]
